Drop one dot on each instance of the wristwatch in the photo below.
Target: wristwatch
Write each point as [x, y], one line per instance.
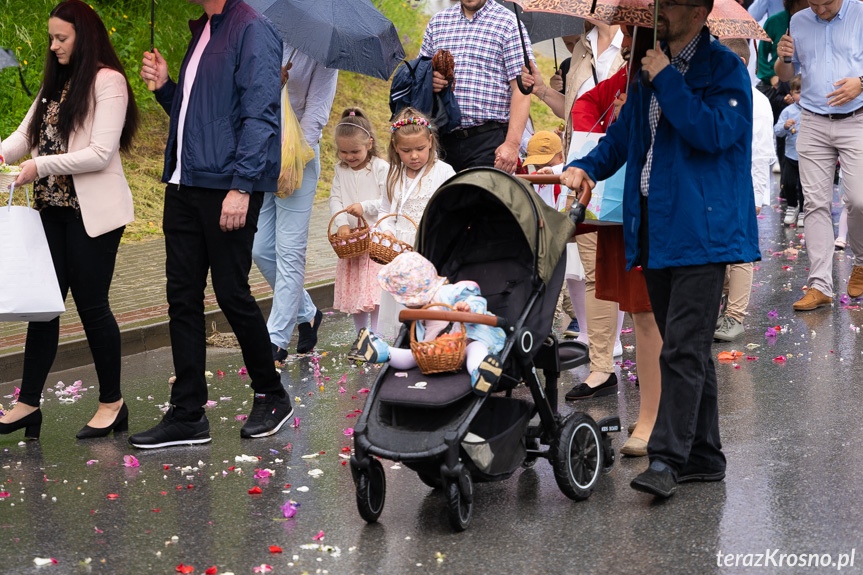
[861, 82]
[243, 191]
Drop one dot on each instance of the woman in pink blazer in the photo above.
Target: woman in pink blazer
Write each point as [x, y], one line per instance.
[83, 116]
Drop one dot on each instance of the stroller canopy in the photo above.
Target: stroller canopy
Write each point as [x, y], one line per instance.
[493, 208]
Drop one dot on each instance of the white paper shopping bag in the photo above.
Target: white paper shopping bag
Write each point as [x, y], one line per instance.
[606, 201]
[29, 290]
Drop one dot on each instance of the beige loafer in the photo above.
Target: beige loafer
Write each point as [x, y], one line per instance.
[634, 447]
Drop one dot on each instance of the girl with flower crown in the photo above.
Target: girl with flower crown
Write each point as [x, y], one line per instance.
[414, 176]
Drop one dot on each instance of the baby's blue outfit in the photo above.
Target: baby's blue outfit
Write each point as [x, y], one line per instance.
[468, 291]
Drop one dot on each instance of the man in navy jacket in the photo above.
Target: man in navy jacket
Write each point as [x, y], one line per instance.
[688, 210]
[221, 157]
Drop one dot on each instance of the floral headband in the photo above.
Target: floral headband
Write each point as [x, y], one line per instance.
[408, 121]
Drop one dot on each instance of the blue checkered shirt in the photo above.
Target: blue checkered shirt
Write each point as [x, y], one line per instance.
[487, 53]
[681, 64]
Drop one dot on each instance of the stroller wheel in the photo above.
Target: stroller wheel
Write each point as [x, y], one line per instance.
[578, 456]
[371, 491]
[459, 504]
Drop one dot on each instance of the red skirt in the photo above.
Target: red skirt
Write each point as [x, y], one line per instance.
[613, 282]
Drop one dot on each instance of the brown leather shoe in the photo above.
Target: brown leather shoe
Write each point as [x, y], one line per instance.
[813, 299]
[855, 282]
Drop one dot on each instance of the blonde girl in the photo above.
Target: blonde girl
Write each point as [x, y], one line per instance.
[415, 174]
[358, 184]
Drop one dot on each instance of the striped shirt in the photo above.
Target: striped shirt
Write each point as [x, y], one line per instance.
[488, 55]
[681, 64]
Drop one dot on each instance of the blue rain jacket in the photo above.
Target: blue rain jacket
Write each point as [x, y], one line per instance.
[701, 204]
[231, 138]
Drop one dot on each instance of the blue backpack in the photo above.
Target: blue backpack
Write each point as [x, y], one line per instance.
[412, 87]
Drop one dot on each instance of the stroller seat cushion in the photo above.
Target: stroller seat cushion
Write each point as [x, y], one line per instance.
[416, 389]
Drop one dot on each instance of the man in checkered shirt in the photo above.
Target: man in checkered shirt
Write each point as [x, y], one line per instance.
[483, 38]
[688, 210]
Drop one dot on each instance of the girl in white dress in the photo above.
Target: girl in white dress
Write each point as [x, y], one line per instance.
[414, 176]
[358, 185]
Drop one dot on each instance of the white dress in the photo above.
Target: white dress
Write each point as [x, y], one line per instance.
[413, 206]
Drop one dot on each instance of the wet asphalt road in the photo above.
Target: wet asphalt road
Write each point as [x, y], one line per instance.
[791, 430]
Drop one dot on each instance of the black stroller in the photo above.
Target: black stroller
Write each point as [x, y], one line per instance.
[486, 226]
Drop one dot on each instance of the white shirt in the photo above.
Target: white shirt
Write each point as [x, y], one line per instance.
[311, 89]
[188, 82]
[602, 61]
[763, 152]
[365, 186]
[415, 205]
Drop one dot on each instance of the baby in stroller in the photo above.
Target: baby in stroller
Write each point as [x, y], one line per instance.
[414, 282]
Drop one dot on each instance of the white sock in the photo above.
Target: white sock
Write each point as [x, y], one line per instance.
[576, 295]
[373, 319]
[475, 353]
[360, 320]
[402, 358]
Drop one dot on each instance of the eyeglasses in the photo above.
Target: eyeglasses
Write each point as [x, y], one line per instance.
[663, 6]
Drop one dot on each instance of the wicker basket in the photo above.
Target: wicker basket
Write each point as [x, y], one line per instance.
[446, 353]
[7, 180]
[384, 254]
[353, 245]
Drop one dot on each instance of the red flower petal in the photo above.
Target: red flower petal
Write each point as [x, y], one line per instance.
[212, 570]
[113, 496]
[275, 549]
[184, 568]
[255, 490]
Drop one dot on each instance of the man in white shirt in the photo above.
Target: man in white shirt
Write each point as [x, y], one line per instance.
[283, 226]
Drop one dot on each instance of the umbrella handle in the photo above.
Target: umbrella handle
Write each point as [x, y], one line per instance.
[521, 88]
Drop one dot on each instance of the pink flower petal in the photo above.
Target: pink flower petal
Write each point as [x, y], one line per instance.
[319, 536]
[131, 461]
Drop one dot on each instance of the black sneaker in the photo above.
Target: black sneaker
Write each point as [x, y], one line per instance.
[308, 334]
[657, 480]
[269, 414]
[173, 431]
[690, 474]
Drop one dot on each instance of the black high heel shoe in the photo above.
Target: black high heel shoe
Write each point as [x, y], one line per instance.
[121, 423]
[31, 422]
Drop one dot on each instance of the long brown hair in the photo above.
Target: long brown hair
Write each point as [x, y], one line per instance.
[92, 52]
[396, 166]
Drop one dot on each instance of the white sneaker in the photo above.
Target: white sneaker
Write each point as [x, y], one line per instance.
[618, 349]
[800, 220]
[839, 244]
[791, 214]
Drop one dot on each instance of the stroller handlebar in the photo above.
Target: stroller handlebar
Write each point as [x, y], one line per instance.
[452, 316]
[540, 178]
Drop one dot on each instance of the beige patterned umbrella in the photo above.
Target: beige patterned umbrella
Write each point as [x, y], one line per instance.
[727, 20]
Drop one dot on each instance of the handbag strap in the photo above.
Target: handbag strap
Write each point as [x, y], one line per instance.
[12, 191]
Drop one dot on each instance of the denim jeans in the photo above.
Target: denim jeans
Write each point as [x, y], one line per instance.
[279, 252]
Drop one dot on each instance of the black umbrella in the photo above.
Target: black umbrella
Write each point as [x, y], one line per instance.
[545, 25]
[352, 36]
[8, 60]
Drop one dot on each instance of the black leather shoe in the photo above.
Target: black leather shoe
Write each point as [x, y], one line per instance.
[121, 423]
[269, 413]
[279, 354]
[32, 424]
[584, 391]
[308, 334]
[173, 431]
[658, 480]
[690, 474]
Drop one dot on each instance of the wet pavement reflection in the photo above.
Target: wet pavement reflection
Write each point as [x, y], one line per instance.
[790, 421]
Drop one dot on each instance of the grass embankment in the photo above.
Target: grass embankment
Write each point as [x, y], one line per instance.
[24, 31]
